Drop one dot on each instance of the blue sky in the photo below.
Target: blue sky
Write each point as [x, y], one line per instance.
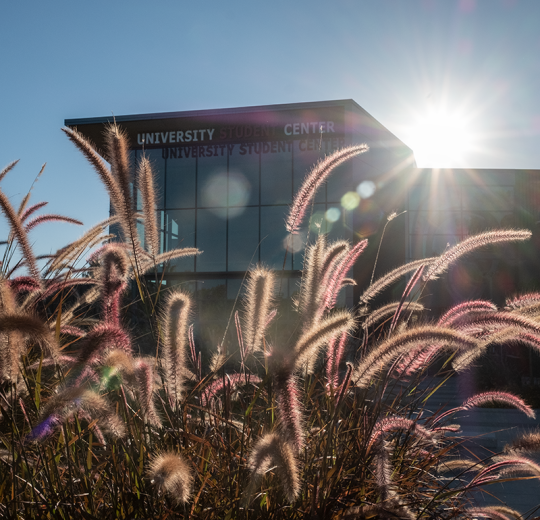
[401, 60]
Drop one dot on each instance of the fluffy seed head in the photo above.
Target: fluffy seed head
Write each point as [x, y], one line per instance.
[175, 341]
[31, 210]
[20, 234]
[168, 256]
[336, 349]
[309, 344]
[50, 218]
[271, 451]
[528, 442]
[523, 300]
[73, 251]
[494, 513]
[71, 400]
[289, 408]
[440, 265]
[113, 276]
[383, 471]
[509, 464]
[233, 381]
[385, 281]
[420, 337]
[100, 340]
[389, 309]
[318, 174]
[388, 424]
[146, 185]
[258, 301]
[8, 168]
[31, 327]
[341, 269]
[465, 308]
[463, 465]
[145, 376]
[310, 289]
[499, 397]
[171, 473]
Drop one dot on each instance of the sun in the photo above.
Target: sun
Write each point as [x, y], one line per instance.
[441, 139]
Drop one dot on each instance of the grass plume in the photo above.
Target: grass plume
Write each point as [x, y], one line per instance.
[145, 178]
[470, 244]
[259, 295]
[171, 473]
[381, 356]
[176, 322]
[313, 180]
[272, 450]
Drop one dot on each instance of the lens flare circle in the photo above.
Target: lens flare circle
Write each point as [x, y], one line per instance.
[222, 191]
[366, 189]
[333, 214]
[295, 243]
[350, 200]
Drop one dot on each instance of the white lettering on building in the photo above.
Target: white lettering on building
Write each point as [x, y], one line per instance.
[176, 136]
[320, 127]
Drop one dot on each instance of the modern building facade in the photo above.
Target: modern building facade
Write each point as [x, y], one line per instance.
[226, 178]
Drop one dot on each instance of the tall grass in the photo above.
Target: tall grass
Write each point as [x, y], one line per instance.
[332, 423]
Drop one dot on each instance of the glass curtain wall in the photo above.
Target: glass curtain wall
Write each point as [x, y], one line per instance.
[230, 201]
[448, 206]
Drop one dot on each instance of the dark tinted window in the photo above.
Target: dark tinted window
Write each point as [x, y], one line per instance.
[211, 239]
[180, 189]
[212, 181]
[273, 237]
[248, 167]
[276, 174]
[244, 240]
[180, 233]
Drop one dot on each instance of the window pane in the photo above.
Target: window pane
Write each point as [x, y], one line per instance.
[437, 222]
[132, 158]
[248, 166]
[235, 288]
[435, 197]
[492, 198]
[273, 237]
[342, 228]
[478, 221]
[211, 238]
[276, 173]
[180, 233]
[339, 182]
[180, 189]
[213, 311]
[244, 240]
[212, 181]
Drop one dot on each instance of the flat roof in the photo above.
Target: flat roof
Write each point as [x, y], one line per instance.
[346, 103]
[93, 128]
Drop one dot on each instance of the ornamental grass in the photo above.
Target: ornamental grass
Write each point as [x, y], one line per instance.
[330, 423]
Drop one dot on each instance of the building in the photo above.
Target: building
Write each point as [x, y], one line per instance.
[446, 206]
[226, 177]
